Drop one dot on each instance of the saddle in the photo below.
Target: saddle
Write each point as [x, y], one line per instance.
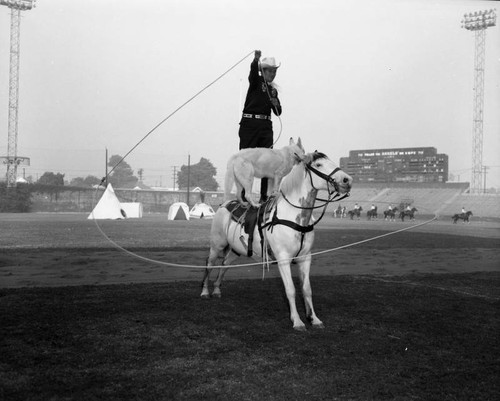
[249, 217]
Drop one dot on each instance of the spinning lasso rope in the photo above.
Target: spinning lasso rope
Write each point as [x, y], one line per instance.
[159, 262]
[175, 111]
[263, 263]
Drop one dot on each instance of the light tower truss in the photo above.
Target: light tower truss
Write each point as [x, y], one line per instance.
[12, 160]
[478, 22]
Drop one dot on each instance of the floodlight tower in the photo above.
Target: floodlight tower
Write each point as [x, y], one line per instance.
[478, 22]
[12, 160]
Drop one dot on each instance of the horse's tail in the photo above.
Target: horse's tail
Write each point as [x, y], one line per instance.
[229, 179]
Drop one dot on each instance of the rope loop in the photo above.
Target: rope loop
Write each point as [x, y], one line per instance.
[264, 262]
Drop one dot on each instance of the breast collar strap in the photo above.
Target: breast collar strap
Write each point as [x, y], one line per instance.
[297, 227]
[303, 230]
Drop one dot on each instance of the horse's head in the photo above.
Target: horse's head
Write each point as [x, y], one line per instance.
[325, 174]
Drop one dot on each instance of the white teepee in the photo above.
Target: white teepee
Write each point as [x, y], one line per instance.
[108, 206]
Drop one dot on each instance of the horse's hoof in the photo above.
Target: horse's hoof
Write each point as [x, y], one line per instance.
[318, 326]
[216, 295]
[205, 296]
[300, 328]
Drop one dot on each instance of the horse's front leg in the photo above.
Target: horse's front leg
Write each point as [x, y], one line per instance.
[304, 268]
[286, 277]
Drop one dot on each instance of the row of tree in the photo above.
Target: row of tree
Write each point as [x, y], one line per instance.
[201, 174]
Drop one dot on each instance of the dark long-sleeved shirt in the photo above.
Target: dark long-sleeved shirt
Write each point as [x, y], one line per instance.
[257, 100]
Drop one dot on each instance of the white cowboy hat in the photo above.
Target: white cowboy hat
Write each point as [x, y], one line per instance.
[269, 62]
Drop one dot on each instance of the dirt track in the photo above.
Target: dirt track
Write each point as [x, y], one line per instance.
[55, 250]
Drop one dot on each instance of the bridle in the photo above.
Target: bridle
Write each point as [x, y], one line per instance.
[329, 180]
[333, 195]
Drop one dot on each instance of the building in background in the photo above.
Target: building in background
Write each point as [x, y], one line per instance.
[396, 165]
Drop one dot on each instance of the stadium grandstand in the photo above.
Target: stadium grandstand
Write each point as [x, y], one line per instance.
[411, 176]
[429, 198]
[396, 165]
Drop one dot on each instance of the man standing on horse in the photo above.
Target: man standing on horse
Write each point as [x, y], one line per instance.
[256, 127]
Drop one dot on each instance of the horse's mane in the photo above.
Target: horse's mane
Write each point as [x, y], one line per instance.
[296, 176]
[317, 155]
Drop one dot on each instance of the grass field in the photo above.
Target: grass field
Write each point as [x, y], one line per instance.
[403, 326]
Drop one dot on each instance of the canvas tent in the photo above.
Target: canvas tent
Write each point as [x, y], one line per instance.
[201, 211]
[108, 207]
[178, 211]
[132, 209]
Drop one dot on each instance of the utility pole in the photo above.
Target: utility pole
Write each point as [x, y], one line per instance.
[106, 168]
[478, 22]
[13, 160]
[189, 173]
[174, 175]
[484, 176]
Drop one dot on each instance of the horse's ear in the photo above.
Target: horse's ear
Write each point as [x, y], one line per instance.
[290, 142]
[299, 144]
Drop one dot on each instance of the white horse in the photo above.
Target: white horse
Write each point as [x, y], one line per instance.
[285, 228]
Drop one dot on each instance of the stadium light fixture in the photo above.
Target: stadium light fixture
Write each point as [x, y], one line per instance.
[12, 160]
[19, 4]
[479, 20]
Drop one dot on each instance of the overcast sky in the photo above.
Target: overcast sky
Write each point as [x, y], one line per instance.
[99, 74]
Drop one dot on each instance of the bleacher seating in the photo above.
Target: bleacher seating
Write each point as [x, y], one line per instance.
[441, 199]
[485, 205]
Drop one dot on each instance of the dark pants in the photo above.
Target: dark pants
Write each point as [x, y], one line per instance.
[255, 133]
